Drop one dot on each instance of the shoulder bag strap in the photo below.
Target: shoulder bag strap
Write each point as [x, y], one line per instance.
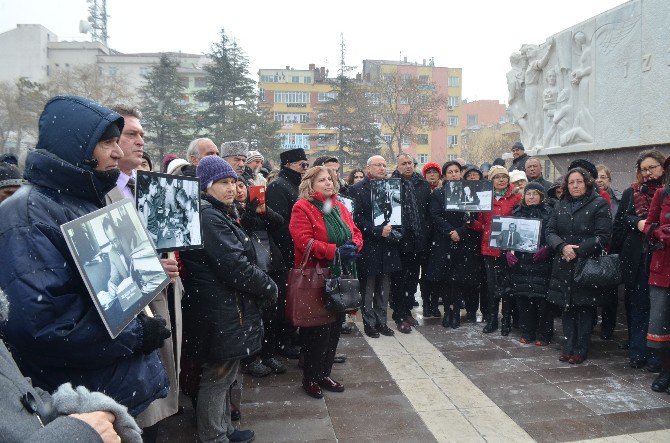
[306, 255]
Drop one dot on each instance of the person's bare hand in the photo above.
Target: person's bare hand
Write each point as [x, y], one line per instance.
[101, 422]
[640, 225]
[171, 267]
[260, 209]
[386, 231]
[454, 236]
[569, 252]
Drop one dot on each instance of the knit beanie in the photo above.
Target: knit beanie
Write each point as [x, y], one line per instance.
[518, 145]
[176, 165]
[10, 175]
[495, 170]
[517, 175]
[535, 186]
[211, 169]
[428, 166]
[498, 162]
[234, 148]
[253, 156]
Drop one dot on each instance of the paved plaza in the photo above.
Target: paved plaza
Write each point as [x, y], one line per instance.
[460, 385]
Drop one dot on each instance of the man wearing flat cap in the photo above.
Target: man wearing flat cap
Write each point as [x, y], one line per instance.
[281, 195]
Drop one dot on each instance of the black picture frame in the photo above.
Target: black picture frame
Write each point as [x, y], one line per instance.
[528, 230]
[468, 195]
[117, 261]
[172, 214]
[386, 197]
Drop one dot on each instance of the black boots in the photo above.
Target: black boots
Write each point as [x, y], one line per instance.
[446, 320]
[491, 323]
[455, 318]
[506, 325]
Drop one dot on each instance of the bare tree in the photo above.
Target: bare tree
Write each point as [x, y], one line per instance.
[488, 143]
[20, 106]
[89, 81]
[405, 105]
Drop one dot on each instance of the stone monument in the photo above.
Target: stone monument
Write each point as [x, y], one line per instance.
[598, 90]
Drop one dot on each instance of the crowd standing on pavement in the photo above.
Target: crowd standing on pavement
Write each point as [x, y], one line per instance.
[224, 310]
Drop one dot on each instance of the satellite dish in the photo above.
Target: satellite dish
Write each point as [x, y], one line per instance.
[84, 26]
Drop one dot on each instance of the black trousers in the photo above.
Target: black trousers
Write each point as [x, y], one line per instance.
[534, 318]
[281, 329]
[496, 268]
[609, 309]
[403, 286]
[577, 328]
[318, 347]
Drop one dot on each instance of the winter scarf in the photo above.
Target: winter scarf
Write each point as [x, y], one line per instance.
[338, 231]
[642, 195]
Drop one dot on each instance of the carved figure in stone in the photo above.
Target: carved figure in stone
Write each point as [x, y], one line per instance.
[516, 85]
[550, 103]
[561, 126]
[581, 80]
[536, 63]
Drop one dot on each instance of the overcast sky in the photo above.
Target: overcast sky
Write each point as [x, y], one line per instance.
[476, 35]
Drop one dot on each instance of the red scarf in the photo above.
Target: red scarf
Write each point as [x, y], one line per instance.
[642, 195]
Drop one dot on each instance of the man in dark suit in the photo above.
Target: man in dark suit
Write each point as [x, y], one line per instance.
[509, 238]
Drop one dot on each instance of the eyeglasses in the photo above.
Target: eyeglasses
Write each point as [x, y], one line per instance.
[303, 165]
[649, 169]
[499, 177]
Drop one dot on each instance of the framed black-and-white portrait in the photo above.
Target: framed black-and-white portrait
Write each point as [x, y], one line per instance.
[515, 233]
[169, 207]
[386, 202]
[117, 261]
[468, 195]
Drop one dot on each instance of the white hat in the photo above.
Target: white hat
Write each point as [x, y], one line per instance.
[517, 175]
[175, 164]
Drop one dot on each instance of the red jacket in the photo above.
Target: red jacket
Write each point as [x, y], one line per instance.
[501, 207]
[307, 223]
[659, 212]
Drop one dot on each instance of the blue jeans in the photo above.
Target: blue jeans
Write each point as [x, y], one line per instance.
[637, 304]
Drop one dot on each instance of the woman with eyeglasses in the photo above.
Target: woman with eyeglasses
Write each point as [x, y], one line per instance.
[657, 228]
[629, 242]
[497, 272]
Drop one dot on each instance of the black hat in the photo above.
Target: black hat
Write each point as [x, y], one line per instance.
[585, 164]
[292, 156]
[320, 161]
[9, 158]
[473, 168]
[498, 162]
[534, 186]
[10, 175]
[518, 145]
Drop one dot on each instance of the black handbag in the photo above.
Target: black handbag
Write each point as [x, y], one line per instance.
[601, 271]
[343, 293]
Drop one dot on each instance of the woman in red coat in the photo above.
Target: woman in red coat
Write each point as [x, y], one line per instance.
[657, 227]
[504, 201]
[318, 215]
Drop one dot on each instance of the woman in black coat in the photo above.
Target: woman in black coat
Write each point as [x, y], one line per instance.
[580, 227]
[530, 273]
[629, 242]
[225, 292]
[451, 266]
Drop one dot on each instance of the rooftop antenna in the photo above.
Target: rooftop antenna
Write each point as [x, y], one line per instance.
[98, 20]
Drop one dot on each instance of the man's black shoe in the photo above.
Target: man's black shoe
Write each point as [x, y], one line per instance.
[385, 330]
[289, 351]
[371, 331]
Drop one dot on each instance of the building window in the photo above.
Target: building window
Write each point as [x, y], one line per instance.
[453, 100]
[326, 96]
[261, 94]
[287, 117]
[200, 82]
[184, 81]
[295, 79]
[424, 78]
[452, 140]
[454, 82]
[113, 70]
[406, 140]
[404, 100]
[269, 79]
[422, 139]
[308, 80]
[452, 157]
[423, 158]
[472, 119]
[144, 71]
[372, 98]
[293, 141]
[291, 97]
[387, 138]
[453, 120]
[423, 120]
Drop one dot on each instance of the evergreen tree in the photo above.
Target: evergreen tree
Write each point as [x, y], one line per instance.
[350, 113]
[229, 90]
[166, 118]
[260, 131]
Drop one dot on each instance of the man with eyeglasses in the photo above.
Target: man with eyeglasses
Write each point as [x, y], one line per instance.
[380, 256]
[281, 195]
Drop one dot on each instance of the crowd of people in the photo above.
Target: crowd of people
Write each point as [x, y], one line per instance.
[224, 310]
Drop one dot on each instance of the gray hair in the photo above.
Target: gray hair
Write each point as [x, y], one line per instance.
[127, 111]
[404, 154]
[192, 149]
[369, 162]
